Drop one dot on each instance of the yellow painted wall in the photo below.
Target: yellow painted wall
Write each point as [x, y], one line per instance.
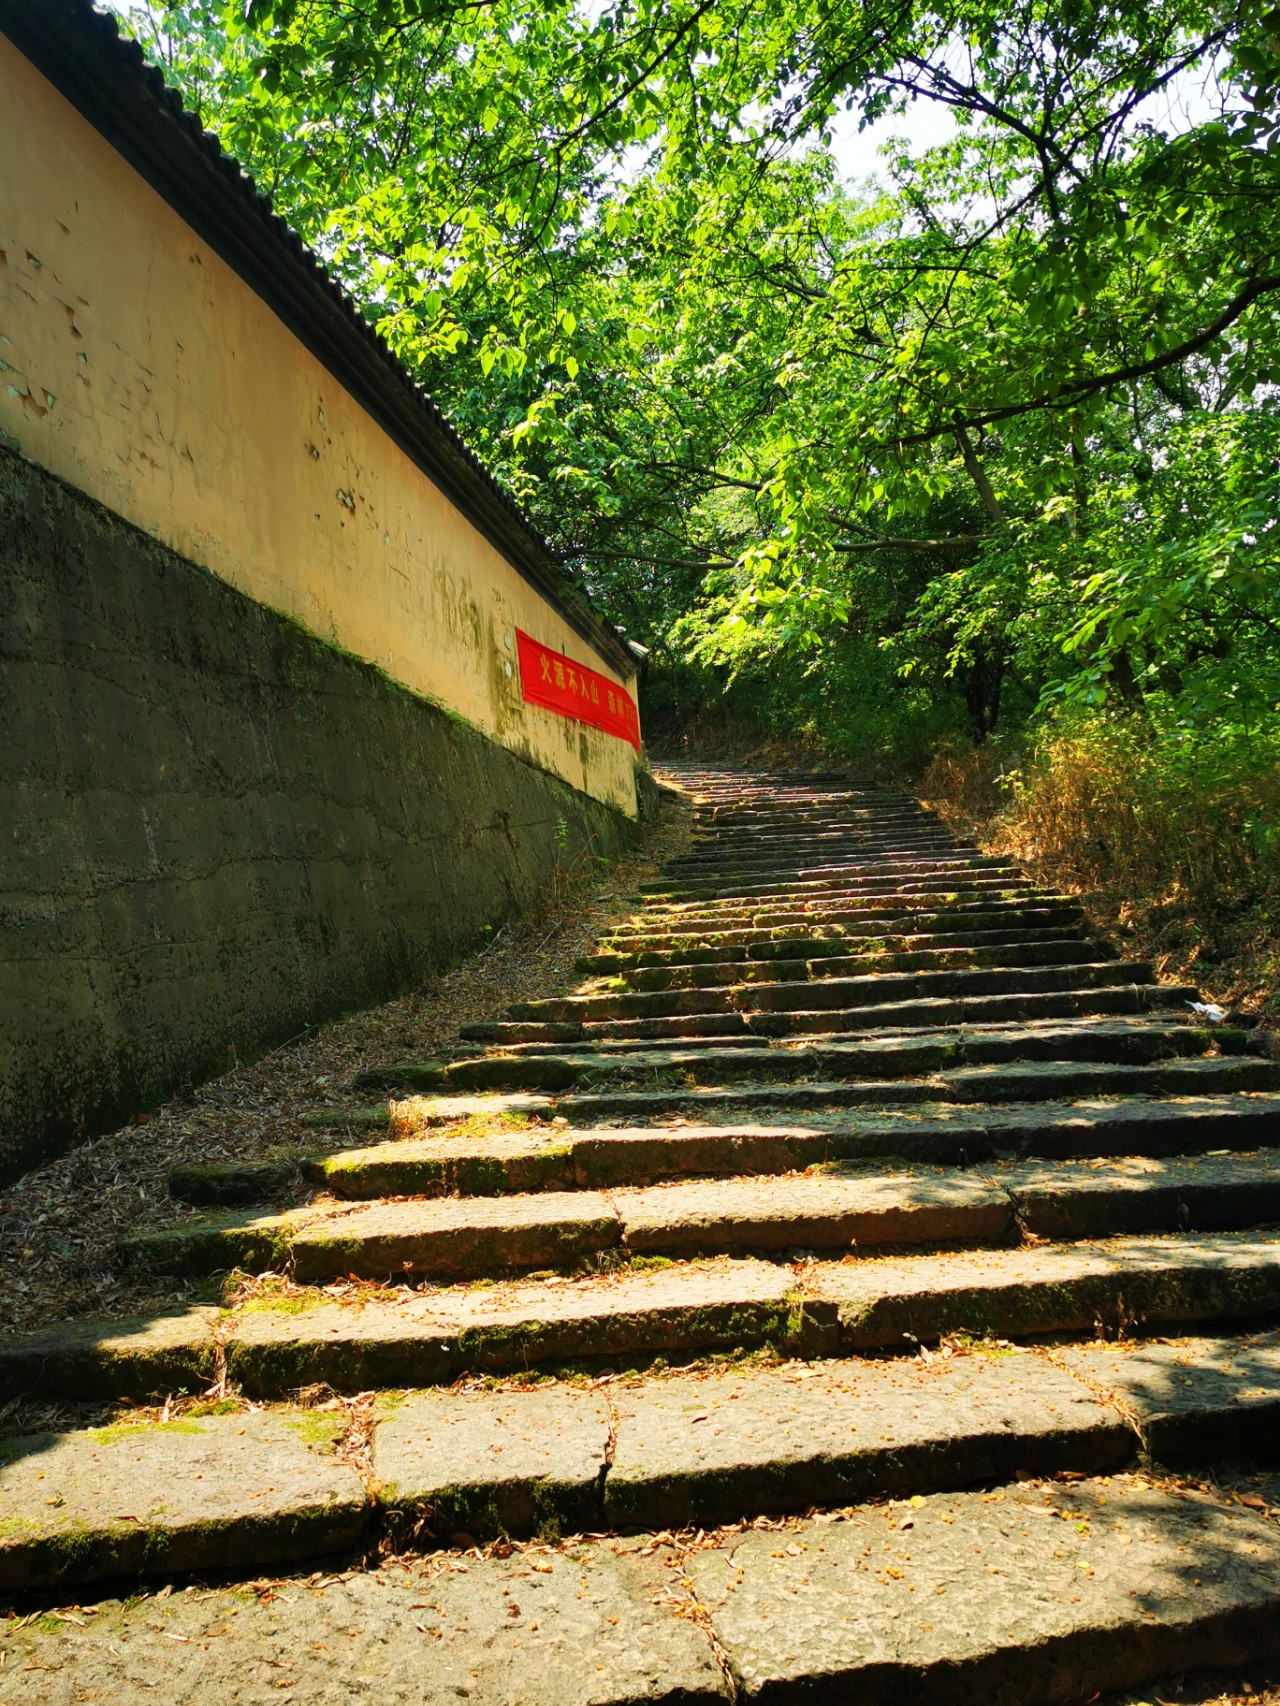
[136, 365]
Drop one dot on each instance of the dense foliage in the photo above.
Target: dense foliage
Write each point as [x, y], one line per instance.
[993, 437]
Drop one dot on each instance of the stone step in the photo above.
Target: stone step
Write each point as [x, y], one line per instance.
[417, 1338]
[723, 1447]
[890, 1054]
[711, 903]
[469, 1237]
[813, 869]
[833, 991]
[207, 1492]
[842, 991]
[838, 920]
[642, 935]
[811, 843]
[820, 1309]
[1121, 1284]
[1102, 1197]
[1035, 1081]
[431, 1337]
[1192, 1401]
[814, 947]
[565, 1158]
[741, 1029]
[1108, 999]
[560, 1157]
[888, 872]
[451, 1238]
[819, 965]
[588, 1627]
[1028, 1593]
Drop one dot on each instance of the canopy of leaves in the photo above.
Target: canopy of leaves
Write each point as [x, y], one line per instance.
[997, 430]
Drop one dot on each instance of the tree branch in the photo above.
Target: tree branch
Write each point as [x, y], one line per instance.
[1067, 395]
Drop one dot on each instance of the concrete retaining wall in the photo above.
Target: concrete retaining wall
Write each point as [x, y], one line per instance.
[217, 827]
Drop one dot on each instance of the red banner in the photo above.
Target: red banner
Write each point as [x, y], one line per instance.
[562, 684]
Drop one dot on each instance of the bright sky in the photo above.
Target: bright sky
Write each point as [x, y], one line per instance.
[1188, 101]
[924, 124]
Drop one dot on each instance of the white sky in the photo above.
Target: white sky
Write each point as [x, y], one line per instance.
[1188, 101]
[925, 124]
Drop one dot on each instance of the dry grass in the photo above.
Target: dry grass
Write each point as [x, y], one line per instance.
[60, 1224]
[1174, 862]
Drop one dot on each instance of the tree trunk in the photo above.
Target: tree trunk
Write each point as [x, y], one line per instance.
[978, 474]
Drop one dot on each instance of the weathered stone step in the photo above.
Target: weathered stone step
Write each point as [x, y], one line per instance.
[207, 1492]
[836, 990]
[467, 1237]
[819, 964]
[833, 991]
[815, 947]
[892, 1055]
[565, 1158]
[429, 1338]
[420, 1338]
[203, 1182]
[449, 1238]
[808, 851]
[1192, 1401]
[850, 887]
[1103, 1197]
[722, 1447]
[828, 1309]
[689, 903]
[1034, 1081]
[1107, 1000]
[1028, 1594]
[587, 1627]
[841, 923]
[444, 1238]
[1120, 1284]
[926, 1013]
[813, 839]
[809, 868]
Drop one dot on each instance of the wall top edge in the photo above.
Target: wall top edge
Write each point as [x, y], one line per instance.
[126, 100]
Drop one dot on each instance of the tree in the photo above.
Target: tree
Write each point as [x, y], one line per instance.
[978, 423]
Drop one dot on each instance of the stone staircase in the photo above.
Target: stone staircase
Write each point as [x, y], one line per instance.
[871, 1269]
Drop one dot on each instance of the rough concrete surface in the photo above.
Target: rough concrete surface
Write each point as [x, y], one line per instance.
[198, 1493]
[219, 828]
[1195, 1400]
[992, 1599]
[429, 1337]
[142, 1357]
[591, 1628]
[723, 1446]
[494, 1462]
[812, 1212]
[1050, 1288]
